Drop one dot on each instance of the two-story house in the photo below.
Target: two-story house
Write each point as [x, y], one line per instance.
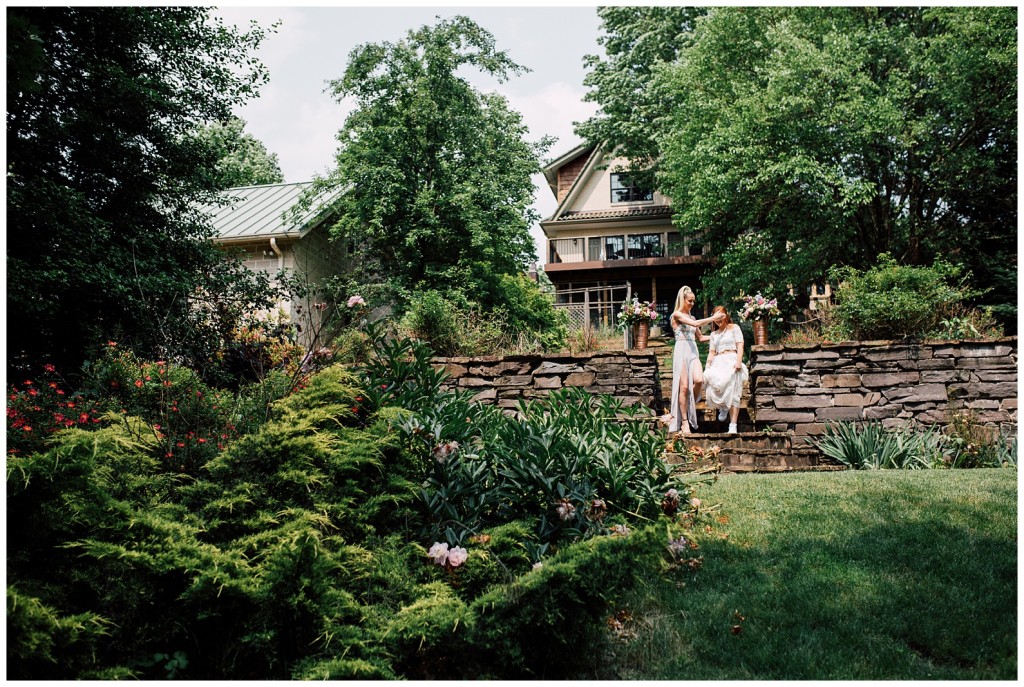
[610, 239]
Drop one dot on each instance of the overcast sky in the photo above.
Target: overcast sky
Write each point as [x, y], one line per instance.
[298, 120]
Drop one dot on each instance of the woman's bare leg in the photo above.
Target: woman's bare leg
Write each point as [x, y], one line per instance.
[698, 379]
[734, 414]
[684, 403]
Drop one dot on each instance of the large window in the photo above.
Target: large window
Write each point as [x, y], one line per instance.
[645, 246]
[607, 248]
[625, 190]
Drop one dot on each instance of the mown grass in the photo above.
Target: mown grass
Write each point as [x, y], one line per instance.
[844, 576]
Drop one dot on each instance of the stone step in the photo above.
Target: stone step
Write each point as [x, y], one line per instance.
[746, 452]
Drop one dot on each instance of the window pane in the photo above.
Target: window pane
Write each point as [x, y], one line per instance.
[615, 247]
[624, 190]
[644, 246]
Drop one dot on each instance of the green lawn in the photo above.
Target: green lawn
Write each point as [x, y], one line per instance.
[846, 576]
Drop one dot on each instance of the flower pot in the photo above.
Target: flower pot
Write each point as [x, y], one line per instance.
[641, 330]
[760, 332]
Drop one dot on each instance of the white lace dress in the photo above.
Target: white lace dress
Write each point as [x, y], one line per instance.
[723, 383]
[683, 356]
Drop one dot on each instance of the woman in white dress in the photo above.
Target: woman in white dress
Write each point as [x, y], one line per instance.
[725, 372]
[687, 376]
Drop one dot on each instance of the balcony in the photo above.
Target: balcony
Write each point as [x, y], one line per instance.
[622, 250]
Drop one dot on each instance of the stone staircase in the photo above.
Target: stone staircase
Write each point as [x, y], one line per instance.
[752, 449]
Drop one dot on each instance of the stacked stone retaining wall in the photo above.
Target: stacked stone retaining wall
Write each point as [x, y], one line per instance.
[630, 376]
[800, 388]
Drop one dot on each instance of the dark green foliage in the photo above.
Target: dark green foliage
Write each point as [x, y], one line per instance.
[964, 443]
[438, 174]
[892, 301]
[300, 550]
[538, 626]
[547, 467]
[838, 132]
[453, 324]
[103, 184]
[44, 644]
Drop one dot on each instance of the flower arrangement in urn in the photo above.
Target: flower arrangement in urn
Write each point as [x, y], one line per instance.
[759, 308]
[637, 312]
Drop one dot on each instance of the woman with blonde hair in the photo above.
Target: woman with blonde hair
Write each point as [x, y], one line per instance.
[687, 376]
[725, 372]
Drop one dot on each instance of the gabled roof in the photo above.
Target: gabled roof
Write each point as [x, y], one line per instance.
[262, 212]
[551, 169]
[594, 157]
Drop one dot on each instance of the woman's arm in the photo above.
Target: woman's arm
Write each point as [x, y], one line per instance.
[685, 318]
[738, 335]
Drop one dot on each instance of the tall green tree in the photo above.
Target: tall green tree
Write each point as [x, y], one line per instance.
[438, 174]
[636, 41]
[844, 133]
[103, 180]
[243, 160]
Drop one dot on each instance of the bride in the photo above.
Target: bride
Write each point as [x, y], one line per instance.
[725, 372]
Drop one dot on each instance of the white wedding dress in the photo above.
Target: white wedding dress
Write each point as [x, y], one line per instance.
[723, 383]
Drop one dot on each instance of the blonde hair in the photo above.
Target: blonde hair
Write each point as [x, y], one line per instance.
[680, 296]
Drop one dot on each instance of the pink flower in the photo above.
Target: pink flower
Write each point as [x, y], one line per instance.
[356, 300]
[457, 556]
[438, 553]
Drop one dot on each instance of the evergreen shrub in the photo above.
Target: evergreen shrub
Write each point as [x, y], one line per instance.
[306, 548]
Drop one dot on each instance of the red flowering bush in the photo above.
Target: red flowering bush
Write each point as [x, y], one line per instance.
[39, 407]
[191, 421]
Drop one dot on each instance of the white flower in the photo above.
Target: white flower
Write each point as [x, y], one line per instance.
[619, 531]
[457, 556]
[439, 553]
[677, 546]
[566, 511]
[442, 452]
[538, 565]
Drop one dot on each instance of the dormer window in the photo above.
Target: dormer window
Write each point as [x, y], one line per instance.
[625, 190]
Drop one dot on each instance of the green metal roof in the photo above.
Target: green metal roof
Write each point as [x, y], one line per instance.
[262, 212]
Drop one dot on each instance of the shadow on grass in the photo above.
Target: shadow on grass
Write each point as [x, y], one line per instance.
[921, 597]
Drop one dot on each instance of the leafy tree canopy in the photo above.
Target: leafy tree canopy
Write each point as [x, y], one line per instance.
[842, 132]
[243, 159]
[104, 181]
[438, 174]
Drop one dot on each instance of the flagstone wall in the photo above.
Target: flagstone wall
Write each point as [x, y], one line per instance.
[800, 388]
[630, 376]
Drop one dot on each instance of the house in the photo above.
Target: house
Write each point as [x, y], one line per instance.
[610, 239]
[271, 231]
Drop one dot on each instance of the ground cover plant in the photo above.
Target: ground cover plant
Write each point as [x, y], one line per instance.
[858, 575]
[963, 443]
[365, 524]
